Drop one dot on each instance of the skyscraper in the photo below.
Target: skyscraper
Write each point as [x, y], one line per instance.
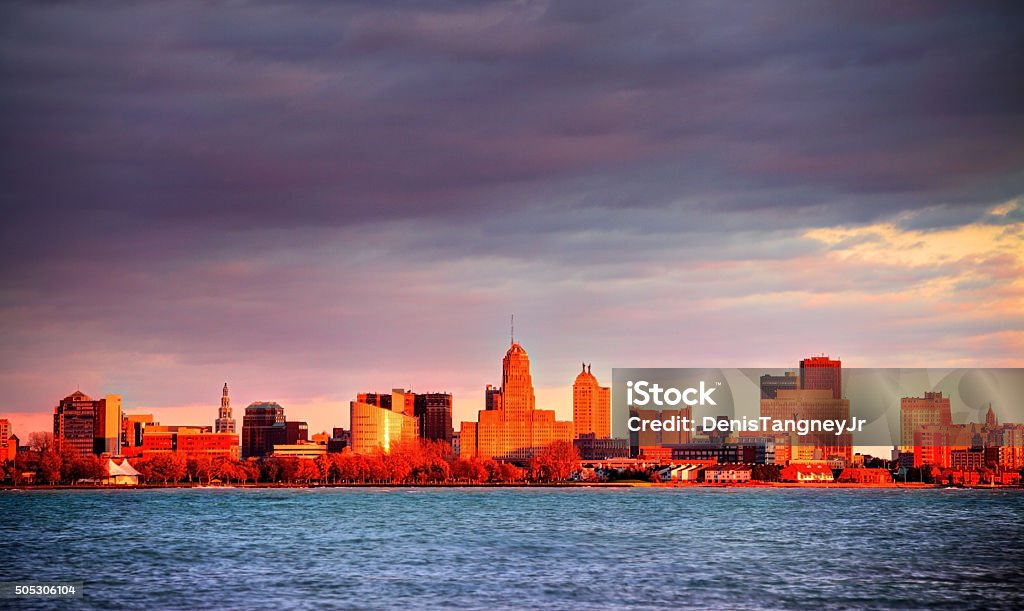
[434, 410]
[591, 406]
[225, 423]
[512, 428]
[262, 426]
[74, 423]
[87, 426]
[822, 373]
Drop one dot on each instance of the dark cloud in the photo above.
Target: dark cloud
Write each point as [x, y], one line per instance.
[193, 179]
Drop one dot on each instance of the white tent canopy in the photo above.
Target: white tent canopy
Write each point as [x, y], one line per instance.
[123, 473]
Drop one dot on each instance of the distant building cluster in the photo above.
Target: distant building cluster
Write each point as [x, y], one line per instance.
[959, 452]
[813, 394]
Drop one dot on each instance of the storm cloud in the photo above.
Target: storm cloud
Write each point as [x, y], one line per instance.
[309, 199]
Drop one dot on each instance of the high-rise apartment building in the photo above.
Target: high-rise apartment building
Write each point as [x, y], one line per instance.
[591, 406]
[225, 423]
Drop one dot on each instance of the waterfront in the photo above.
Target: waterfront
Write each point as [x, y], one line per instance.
[516, 547]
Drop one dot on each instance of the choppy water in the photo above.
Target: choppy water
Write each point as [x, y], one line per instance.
[551, 547]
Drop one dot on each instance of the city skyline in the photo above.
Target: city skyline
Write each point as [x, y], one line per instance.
[199, 414]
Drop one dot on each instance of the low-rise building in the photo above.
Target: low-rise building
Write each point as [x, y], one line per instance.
[727, 474]
[592, 447]
[805, 473]
[861, 475]
[967, 460]
[306, 449]
[681, 473]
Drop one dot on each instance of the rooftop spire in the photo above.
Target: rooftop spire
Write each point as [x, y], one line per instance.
[512, 329]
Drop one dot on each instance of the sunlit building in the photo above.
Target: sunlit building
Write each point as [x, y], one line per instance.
[263, 426]
[822, 373]
[186, 439]
[87, 426]
[8, 450]
[812, 404]
[591, 406]
[133, 429]
[302, 449]
[225, 422]
[512, 428]
[375, 428]
[434, 411]
[925, 428]
[208, 443]
[108, 426]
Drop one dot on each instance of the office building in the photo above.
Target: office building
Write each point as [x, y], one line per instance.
[379, 429]
[512, 429]
[263, 426]
[811, 404]
[86, 426]
[822, 373]
[591, 406]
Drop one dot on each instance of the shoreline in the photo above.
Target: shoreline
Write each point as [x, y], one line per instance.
[625, 484]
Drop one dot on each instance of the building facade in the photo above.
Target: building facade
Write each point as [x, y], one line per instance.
[263, 426]
[86, 426]
[811, 404]
[512, 429]
[771, 384]
[592, 447]
[822, 373]
[8, 450]
[916, 413]
[375, 429]
[434, 411]
[225, 423]
[591, 406]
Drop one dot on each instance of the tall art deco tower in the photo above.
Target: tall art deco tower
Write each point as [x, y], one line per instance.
[511, 428]
[225, 423]
[516, 382]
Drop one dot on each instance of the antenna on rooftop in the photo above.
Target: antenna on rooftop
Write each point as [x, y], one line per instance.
[512, 329]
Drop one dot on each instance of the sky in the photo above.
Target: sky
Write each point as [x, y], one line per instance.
[308, 200]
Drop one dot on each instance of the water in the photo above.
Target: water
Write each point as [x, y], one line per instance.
[510, 547]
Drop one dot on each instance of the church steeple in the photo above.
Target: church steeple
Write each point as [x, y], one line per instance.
[990, 417]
